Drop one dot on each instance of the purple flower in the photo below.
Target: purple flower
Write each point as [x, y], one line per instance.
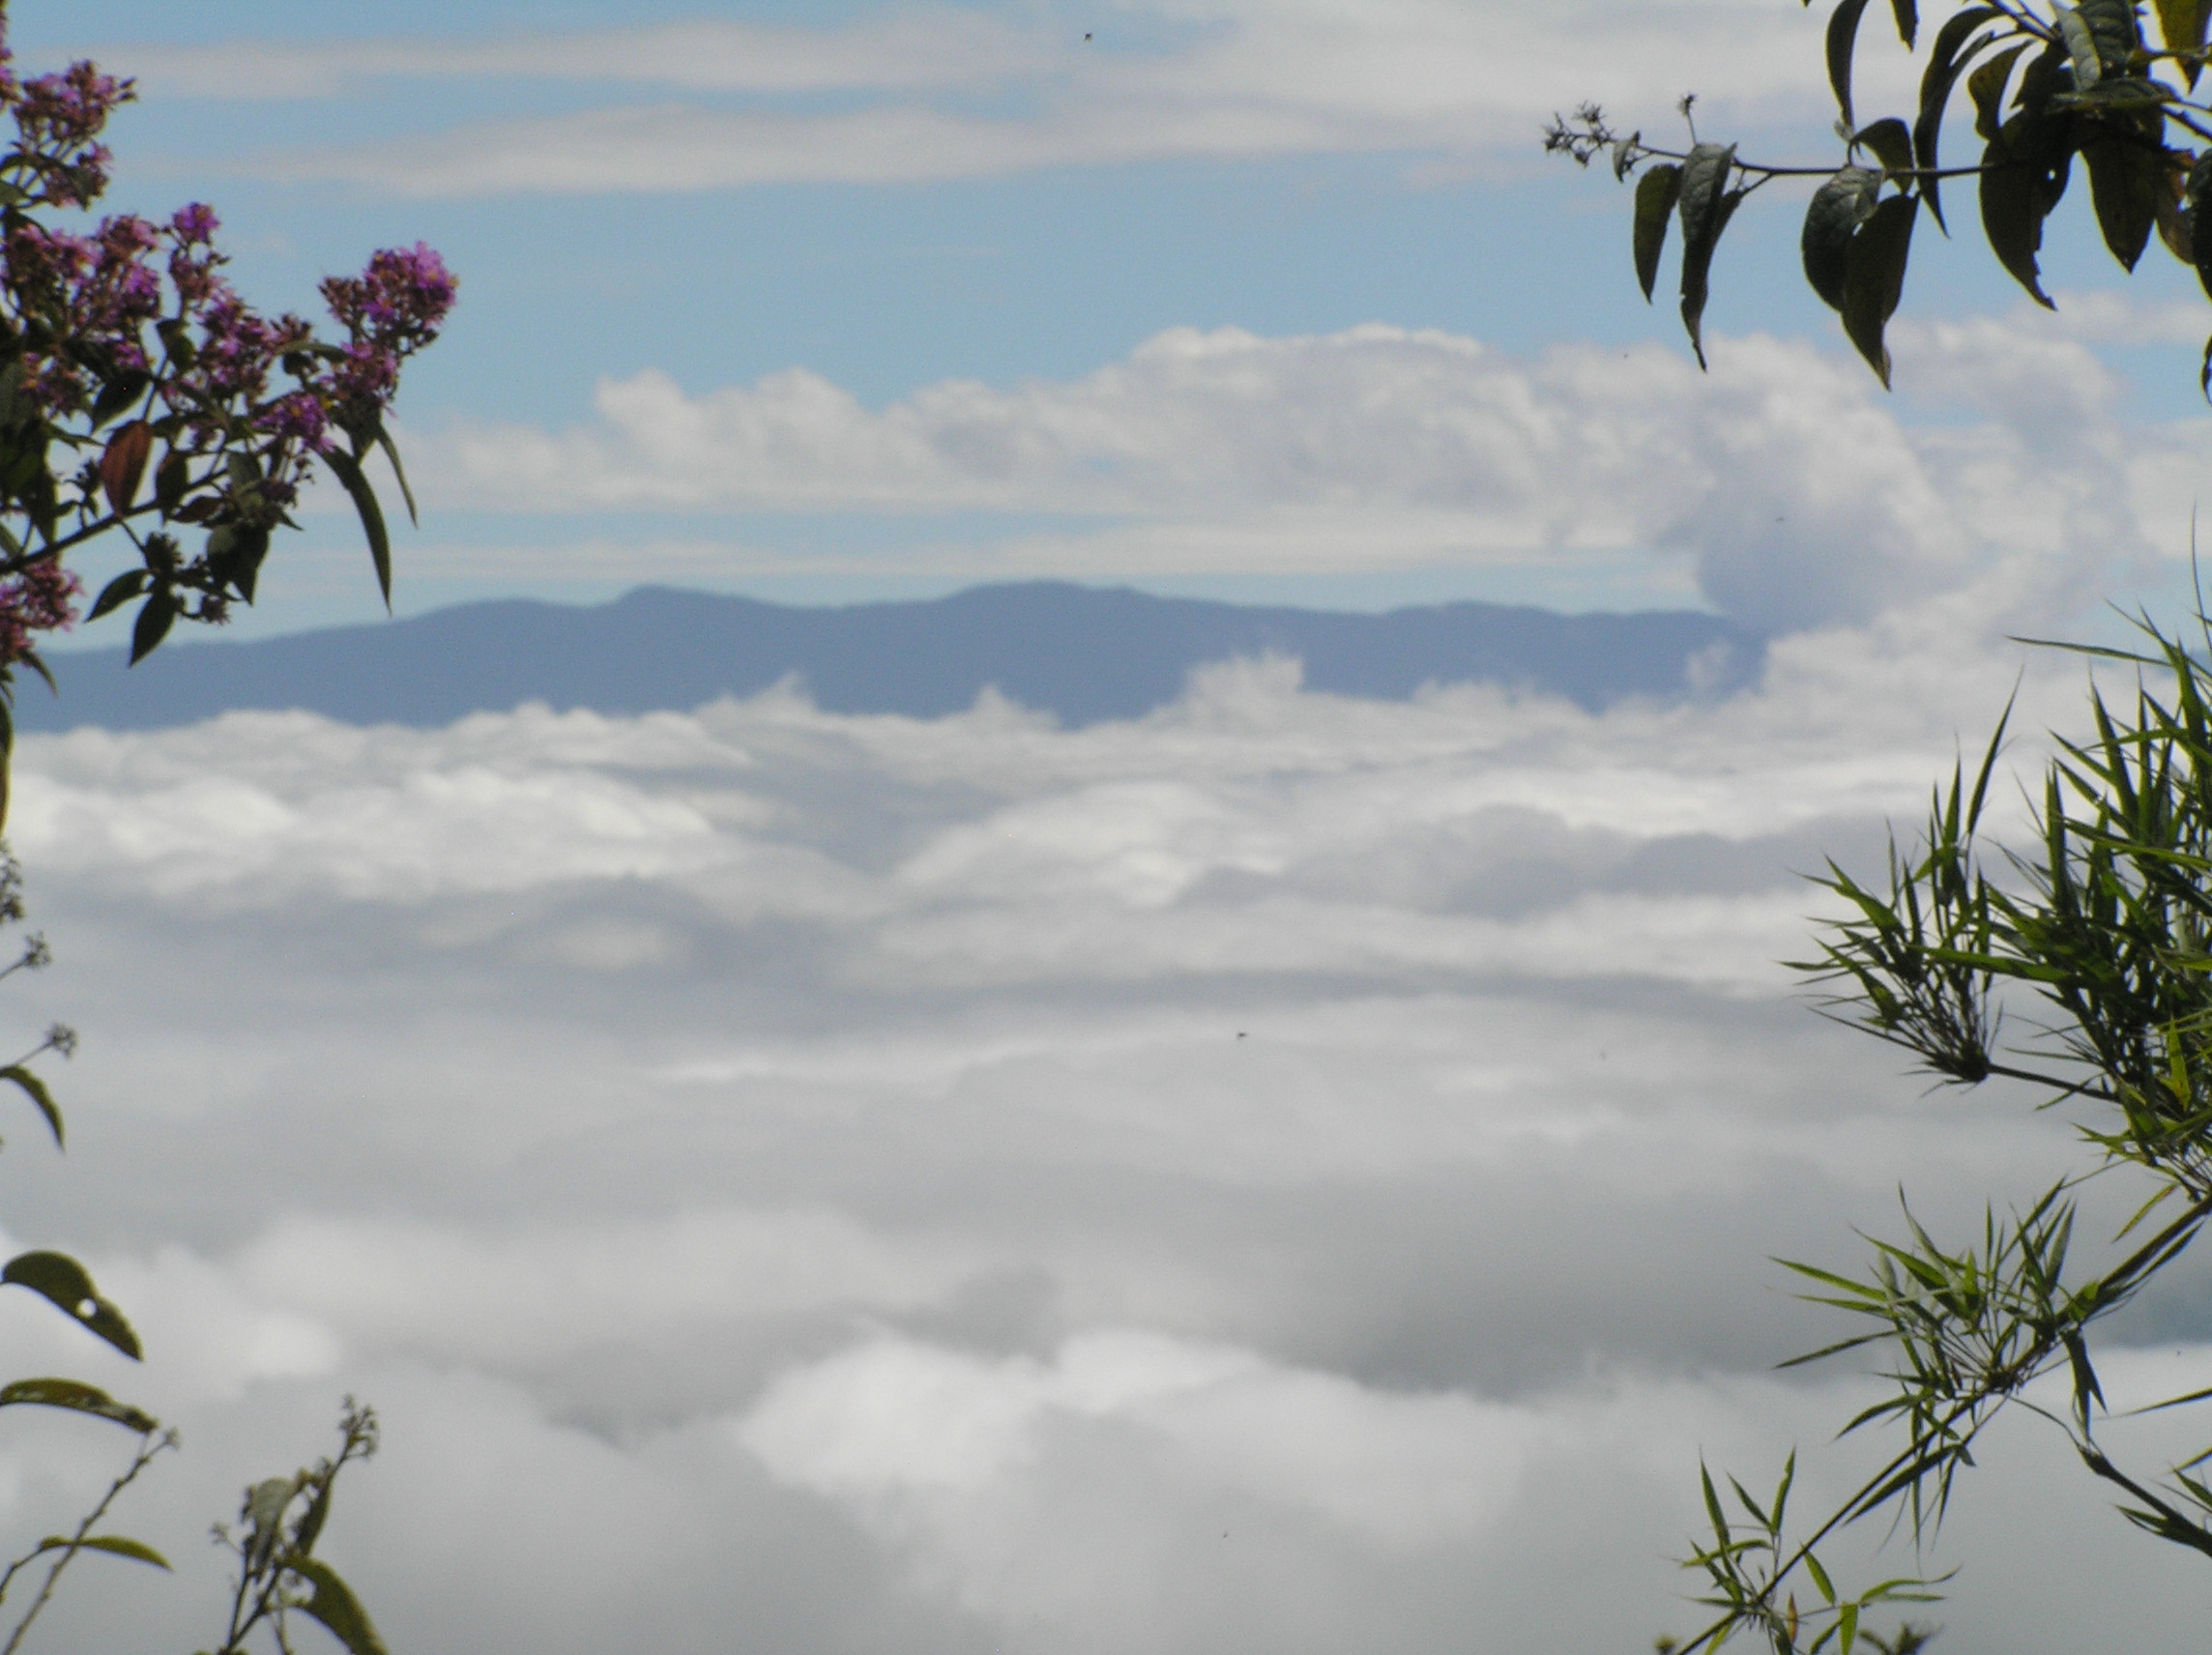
[195, 224]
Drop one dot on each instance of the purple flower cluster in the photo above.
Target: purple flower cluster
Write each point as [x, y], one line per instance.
[129, 349]
[42, 597]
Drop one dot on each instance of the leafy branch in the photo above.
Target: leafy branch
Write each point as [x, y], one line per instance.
[2082, 81]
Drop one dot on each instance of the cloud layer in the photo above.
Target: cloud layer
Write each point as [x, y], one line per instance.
[1286, 1170]
[1783, 483]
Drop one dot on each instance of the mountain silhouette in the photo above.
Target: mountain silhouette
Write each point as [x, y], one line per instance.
[1082, 653]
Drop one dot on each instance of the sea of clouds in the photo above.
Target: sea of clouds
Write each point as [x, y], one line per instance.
[1290, 1173]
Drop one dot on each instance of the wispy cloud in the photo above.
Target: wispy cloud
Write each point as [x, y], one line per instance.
[1227, 80]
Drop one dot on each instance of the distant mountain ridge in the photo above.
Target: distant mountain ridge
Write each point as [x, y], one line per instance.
[1082, 653]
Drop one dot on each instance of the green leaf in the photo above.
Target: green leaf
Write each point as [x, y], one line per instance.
[2197, 194]
[155, 616]
[1705, 207]
[2125, 176]
[61, 1279]
[371, 515]
[1873, 280]
[36, 1090]
[1986, 87]
[169, 483]
[2114, 32]
[78, 1398]
[1951, 54]
[1908, 15]
[114, 1544]
[2025, 174]
[334, 1604]
[1821, 1579]
[392, 452]
[1890, 141]
[1839, 208]
[117, 593]
[1656, 193]
[2181, 23]
[118, 394]
[2080, 48]
[1848, 1627]
[1842, 41]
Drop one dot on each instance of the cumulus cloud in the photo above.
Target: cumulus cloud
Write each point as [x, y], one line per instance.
[1793, 489]
[1286, 1170]
[1228, 78]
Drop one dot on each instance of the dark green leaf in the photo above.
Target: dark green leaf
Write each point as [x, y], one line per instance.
[1706, 206]
[1655, 196]
[1843, 40]
[334, 1604]
[2181, 23]
[2198, 193]
[169, 482]
[155, 616]
[2080, 48]
[2024, 171]
[1986, 87]
[2124, 181]
[1908, 15]
[118, 591]
[349, 473]
[118, 394]
[1839, 208]
[1951, 54]
[2116, 32]
[1890, 141]
[78, 1398]
[1875, 278]
[114, 1544]
[61, 1279]
[36, 1090]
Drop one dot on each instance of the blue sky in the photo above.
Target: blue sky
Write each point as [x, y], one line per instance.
[896, 198]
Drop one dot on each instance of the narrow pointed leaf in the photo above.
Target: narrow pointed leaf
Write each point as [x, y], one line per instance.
[391, 454]
[114, 1544]
[1706, 206]
[2181, 23]
[1986, 86]
[36, 1090]
[1875, 278]
[1656, 193]
[349, 473]
[1949, 57]
[334, 1604]
[2198, 192]
[155, 616]
[78, 1398]
[1908, 15]
[118, 591]
[1842, 41]
[63, 1281]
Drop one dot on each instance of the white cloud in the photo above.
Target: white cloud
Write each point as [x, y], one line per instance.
[1792, 487]
[1227, 78]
